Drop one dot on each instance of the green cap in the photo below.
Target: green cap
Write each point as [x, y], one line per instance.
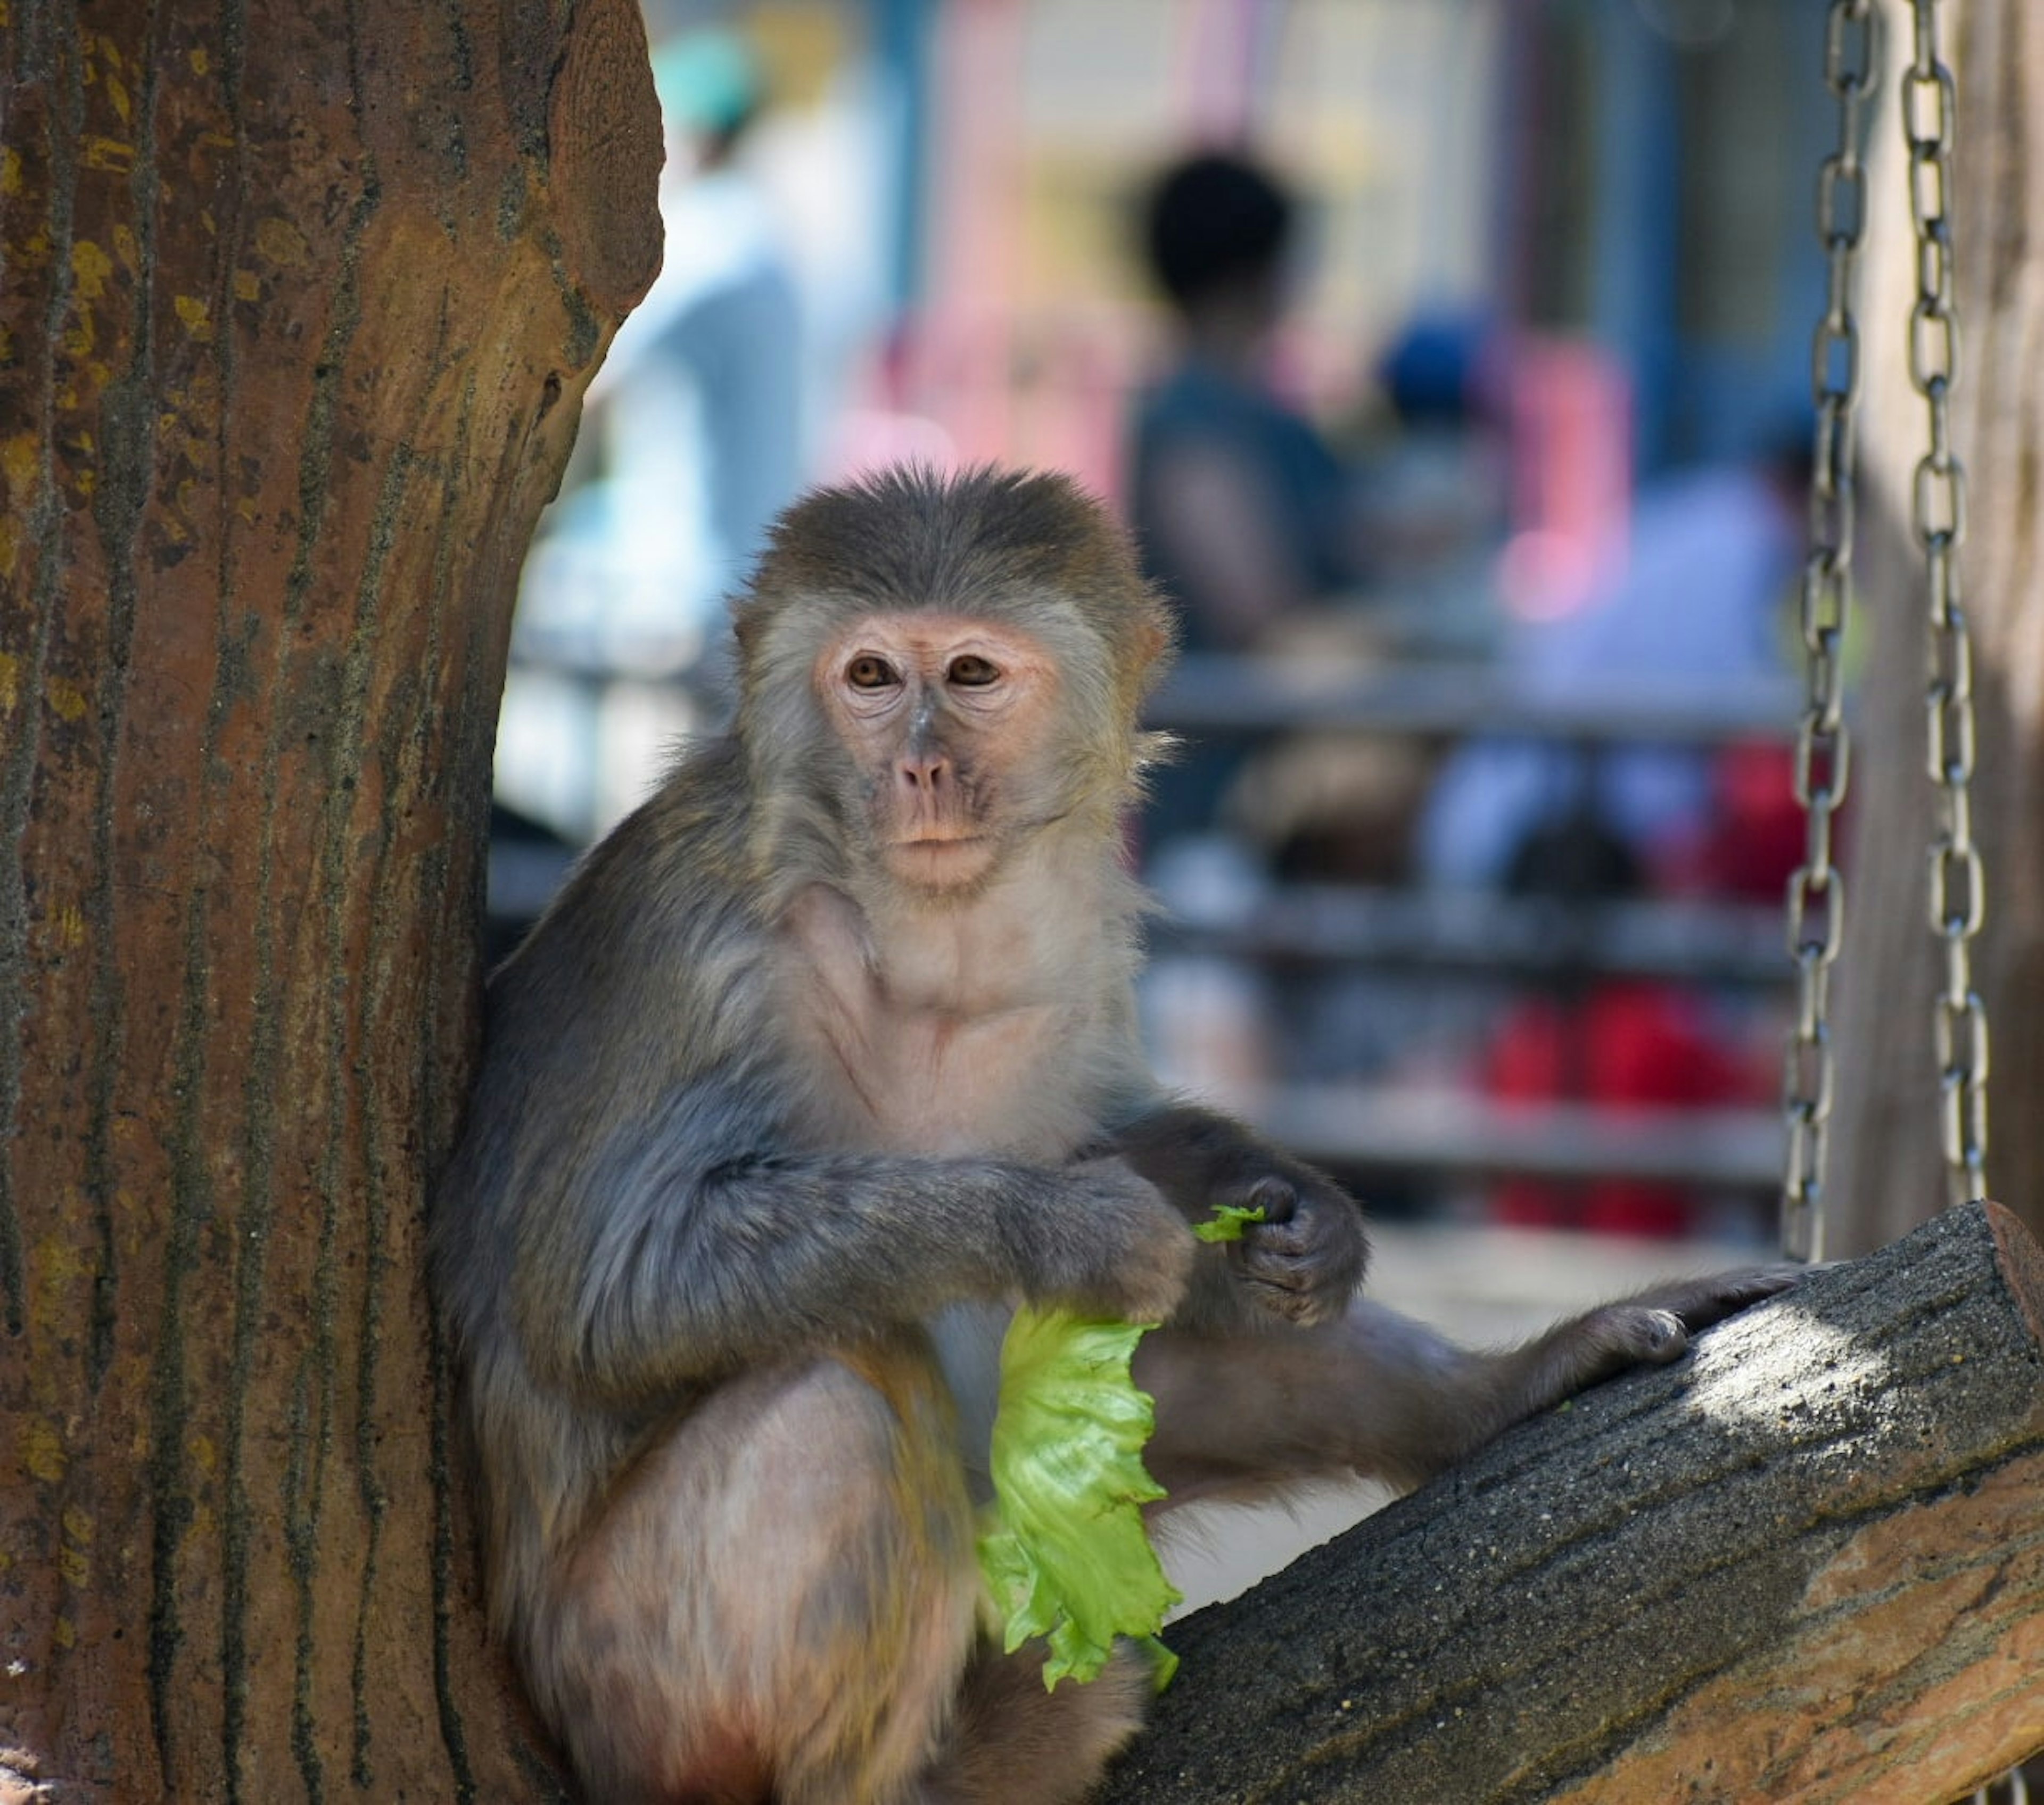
[707, 80]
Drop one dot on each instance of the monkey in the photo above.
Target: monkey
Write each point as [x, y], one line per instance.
[823, 1059]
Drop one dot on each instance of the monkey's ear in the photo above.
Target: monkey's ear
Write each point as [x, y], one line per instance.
[1152, 641]
[753, 615]
[745, 623]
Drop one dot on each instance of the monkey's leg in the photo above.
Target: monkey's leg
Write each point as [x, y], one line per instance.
[778, 1602]
[1013, 1743]
[1377, 1394]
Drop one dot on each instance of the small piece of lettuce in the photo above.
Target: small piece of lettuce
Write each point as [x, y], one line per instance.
[1065, 1556]
[1227, 1222]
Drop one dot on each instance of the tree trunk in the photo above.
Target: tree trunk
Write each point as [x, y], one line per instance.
[1886, 1168]
[300, 302]
[1804, 1564]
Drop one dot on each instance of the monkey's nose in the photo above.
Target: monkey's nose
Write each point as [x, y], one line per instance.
[925, 773]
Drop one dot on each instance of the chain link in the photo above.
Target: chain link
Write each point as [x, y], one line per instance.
[1957, 880]
[1816, 892]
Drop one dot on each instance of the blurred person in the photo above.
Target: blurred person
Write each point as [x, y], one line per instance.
[1698, 589]
[696, 415]
[1240, 506]
[1695, 590]
[1433, 502]
[1425, 495]
[709, 368]
[691, 444]
[1620, 1043]
[1245, 516]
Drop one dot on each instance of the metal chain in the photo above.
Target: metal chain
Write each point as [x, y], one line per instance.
[1958, 878]
[1822, 747]
[1958, 887]
[1816, 892]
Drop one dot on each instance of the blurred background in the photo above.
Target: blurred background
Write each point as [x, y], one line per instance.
[1451, 358]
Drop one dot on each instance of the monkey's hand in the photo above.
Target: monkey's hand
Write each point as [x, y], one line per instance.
[1119, 1248]
[1303, 1259]
[1300, 1264]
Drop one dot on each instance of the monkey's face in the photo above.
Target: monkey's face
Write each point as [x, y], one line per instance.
[946, 719]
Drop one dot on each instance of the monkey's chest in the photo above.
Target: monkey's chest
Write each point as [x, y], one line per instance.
[940, 1083]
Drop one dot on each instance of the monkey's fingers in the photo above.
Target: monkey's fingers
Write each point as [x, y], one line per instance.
[1700, 1302]
[1303, 1284]
[1277, 1198]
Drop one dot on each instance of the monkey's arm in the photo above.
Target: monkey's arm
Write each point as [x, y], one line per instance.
[1301, 1263]
[686, 1245]
[1375, 1393]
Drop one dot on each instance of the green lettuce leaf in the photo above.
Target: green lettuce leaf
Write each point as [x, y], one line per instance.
[1065, 1555]
[1227, 1222]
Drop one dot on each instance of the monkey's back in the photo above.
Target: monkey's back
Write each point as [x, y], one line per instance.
[645, 977]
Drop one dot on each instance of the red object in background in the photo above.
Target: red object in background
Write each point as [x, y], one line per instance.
[1624, 1042]
[1759, 832]
[1756, 836]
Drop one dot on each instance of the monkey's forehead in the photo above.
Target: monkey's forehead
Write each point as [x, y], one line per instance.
[831, 592]
[1026, 512]
[909, 537]
[828, 611]
[931, 631]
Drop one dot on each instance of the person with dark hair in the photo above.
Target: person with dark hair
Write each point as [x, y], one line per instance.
[1239, 504]
[1241, 509]
[1215, 219]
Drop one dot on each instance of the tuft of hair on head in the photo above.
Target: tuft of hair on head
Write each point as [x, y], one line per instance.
[1001, 543]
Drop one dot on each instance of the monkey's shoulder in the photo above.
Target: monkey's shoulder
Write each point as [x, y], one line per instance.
[654, 958]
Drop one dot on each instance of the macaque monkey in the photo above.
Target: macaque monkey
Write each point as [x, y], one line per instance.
[822, 1060]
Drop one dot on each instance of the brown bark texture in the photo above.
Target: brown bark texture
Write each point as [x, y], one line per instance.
[1885, 1160]
[300, 300]
[1806, 1563]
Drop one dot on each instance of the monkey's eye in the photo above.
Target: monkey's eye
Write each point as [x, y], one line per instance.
[868, 671]
[972, 672]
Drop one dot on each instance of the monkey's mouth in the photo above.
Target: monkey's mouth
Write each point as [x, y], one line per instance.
[942, 860]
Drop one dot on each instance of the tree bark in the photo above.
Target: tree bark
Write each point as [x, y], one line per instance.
[1806, 1563]
[1886, 1167]
[300, 302]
